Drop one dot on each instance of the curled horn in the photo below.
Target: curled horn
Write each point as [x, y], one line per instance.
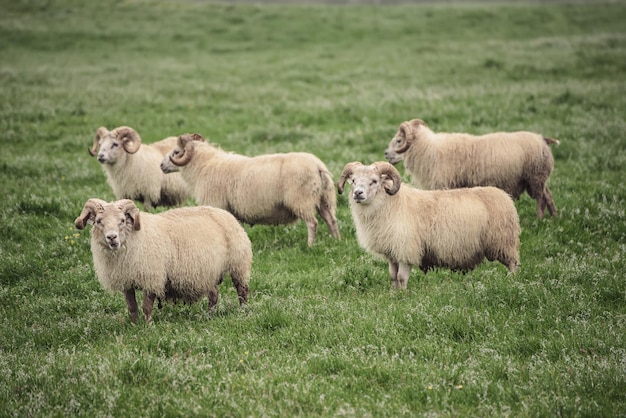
[389, 171]
[407, 131]
[100, 132]
[131, 141]
[92, 206]
[347, 172]
[130, 211]
[185, 141]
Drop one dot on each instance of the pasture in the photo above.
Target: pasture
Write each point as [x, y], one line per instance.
[323, 333]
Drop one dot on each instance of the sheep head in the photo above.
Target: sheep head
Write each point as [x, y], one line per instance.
[368, 180]
[401, 142]
[182, 153]
[108, 145]
[112, 222]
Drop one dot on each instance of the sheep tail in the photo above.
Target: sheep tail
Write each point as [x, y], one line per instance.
[551, 141]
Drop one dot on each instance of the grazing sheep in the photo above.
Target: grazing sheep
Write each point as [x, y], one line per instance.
[178, 254]
[512, 161]
[132, 168]
[455, 228]
[268, 189]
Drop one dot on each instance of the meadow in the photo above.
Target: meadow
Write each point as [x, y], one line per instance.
[323, 333]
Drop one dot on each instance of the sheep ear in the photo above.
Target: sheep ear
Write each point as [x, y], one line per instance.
[197, 137]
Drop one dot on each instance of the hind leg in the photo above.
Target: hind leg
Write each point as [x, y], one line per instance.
[536, 191]
[330, 220]
[241, 285]
[548, 200]
[311, 225]
[213, 296]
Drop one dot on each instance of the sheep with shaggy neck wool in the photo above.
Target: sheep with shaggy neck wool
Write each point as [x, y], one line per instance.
[512, 161]
[132, 168]
[182, 253]
[268, 189]
[455, 229]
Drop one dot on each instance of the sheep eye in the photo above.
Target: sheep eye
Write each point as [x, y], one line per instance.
[374, 182]
[98, 221]
[115, 144]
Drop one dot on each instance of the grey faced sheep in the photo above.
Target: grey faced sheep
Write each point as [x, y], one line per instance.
[132, 168]
[455, 228]
[512, 161]
[267, 189]
[181, 254]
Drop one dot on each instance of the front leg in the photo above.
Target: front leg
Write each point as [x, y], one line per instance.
[393, 272]
[148, 304]
[131, 302]
[404, 270]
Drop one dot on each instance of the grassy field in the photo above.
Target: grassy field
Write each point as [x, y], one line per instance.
[323, 334]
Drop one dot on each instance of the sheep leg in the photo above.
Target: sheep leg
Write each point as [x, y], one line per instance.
[404, 270]
[213, 296]
[147, 304]
[131, 302]
[311, 225]
[242, 289]
[547, 196]
[393, 272]
[330, 220]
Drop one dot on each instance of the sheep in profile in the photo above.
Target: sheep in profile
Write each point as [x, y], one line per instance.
[455, 228]
[132, 168]
[512, 161]
[182, 253]
[267, 189]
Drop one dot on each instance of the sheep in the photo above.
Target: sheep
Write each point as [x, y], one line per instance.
[512, 161]
[269, 189]
[181, 253]
[132, 168]
[454, 228]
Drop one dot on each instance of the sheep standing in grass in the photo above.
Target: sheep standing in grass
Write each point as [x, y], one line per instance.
[512, 161]
[132, 168]
[269, 189]
[178, 254]
[455, 228]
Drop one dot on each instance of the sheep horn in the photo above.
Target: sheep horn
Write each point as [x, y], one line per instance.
[388, 170]
[185, 142]
[130, 211]
[407, 130]
[131, 141]
[100, 132]
[92, 206]
[347, 172]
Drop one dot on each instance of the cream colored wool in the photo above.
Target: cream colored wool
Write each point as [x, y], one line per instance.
[178, 254]
[269, 189]
[455, 229]
[132, 168]
[512, 161]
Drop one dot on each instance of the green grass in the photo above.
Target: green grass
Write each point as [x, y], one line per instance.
[323, 334]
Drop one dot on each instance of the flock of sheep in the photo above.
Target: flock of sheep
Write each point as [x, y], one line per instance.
[461, 212]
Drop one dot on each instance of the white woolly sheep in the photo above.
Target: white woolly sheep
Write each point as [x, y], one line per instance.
[455, 228]
[181, 254]
[132, 168]
[269, 189]
[512, 161]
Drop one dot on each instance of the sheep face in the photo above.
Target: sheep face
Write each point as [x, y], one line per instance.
[368, 181]
[112, 222]
[181, 154]
[112, 146]
[392, 156]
